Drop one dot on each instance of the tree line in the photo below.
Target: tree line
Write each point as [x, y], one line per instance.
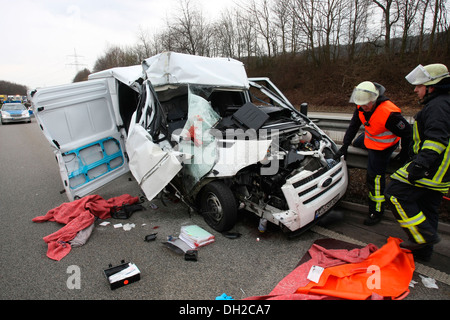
[11, 88]
[322, 31]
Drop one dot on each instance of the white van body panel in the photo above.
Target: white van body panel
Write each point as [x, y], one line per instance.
[152, 167]
[81, 125]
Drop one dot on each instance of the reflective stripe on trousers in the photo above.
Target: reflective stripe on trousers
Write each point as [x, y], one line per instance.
[409, 224]
[377, 196]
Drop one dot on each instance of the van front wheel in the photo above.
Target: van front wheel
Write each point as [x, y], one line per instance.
[218, 206]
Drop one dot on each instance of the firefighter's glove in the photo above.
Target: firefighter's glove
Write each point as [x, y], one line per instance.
[416, 171]
[341, 152]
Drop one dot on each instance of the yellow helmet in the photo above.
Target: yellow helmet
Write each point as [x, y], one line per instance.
[428, 75]
[364, 93]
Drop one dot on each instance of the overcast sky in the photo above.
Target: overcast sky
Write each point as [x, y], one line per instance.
[39, 37]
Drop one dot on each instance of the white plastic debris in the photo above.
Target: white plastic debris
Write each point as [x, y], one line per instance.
[412, 283]
[429, 282]
[128, 226]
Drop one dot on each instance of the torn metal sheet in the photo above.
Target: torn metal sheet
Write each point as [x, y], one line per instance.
[152, 167]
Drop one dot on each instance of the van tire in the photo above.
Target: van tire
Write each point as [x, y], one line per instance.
[218, 206]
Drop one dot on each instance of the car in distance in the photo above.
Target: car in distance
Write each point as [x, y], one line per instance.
[14, 112]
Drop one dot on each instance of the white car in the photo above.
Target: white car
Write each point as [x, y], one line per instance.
[14, 112]
[198, 125]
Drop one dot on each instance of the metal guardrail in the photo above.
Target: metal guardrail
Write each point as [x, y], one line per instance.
[335, 125]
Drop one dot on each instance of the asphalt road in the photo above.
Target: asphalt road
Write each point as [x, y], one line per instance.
[30, 185]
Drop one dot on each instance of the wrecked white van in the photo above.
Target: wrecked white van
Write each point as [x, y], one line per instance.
[220, 141]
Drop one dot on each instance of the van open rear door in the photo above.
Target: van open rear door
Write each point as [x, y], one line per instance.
[79, 121]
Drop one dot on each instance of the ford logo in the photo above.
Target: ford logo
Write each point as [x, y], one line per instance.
[327, 182]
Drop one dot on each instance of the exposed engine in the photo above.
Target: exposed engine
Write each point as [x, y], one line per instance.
[296, 146]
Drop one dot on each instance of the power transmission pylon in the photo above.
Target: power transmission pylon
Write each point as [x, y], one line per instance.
[76, 63]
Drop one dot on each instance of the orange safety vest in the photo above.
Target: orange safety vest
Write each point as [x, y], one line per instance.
[376, 136]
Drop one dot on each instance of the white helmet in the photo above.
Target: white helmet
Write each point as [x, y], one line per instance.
[364, 93]
[428, 75]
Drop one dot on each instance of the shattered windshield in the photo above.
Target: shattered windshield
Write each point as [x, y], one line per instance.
[196, 137]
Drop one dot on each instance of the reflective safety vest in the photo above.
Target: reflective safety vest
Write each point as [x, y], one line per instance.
[376, 136]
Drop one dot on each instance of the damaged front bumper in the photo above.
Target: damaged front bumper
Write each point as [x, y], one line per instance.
[309, 196]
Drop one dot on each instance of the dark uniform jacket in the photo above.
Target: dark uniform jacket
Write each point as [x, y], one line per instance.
[431, 148]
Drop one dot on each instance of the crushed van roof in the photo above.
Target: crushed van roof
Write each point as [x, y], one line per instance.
[171, 68]
[127, 75]
[177, 68]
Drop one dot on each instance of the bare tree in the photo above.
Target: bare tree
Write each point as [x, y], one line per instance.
[116, 56]
[408, 13]
[260, 10]
[282, 20]
[189, 30]
[391, 15]
[305, 15]
[329, 20]
[143, 47]
[423, 8]
[247, 37]
[357, 14]
[315, 28]
[439, 20]
[225, 34]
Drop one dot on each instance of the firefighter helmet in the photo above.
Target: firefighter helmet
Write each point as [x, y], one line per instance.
[364, 93]
[428, 75]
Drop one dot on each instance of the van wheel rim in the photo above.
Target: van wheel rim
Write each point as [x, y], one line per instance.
[214, 207]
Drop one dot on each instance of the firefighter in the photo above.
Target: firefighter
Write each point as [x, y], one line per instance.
[384, 127]
[416, 190]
